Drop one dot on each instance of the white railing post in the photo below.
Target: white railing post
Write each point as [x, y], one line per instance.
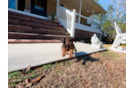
[80, 12]
[92, 17]
[57, 7]
[16, 4]
[73, 23]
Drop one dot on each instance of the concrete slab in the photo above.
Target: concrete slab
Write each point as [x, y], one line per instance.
[20, 56]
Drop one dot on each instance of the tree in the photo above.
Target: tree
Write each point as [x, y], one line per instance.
[119, 6]
[107, 24]
[96, 0]
[116, 12]
[122, 23]
[97, 17]
[124, 6]
[110, 14]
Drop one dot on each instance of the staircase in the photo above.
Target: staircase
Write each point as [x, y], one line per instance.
[24, 27]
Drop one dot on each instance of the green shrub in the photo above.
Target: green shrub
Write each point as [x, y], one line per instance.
[53, 16]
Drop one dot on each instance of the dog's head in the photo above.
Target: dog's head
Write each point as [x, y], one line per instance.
[72, 39]
[69, 39]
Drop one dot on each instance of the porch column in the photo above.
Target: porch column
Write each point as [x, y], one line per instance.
[92, 16]
[16, 4]
[57, 8]
[101, 26]
[80, 12]
[73, 23]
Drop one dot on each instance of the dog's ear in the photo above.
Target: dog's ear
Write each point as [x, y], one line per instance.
[74, 40]
[64, 40]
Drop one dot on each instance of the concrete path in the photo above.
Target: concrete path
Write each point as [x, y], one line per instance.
[20, 56]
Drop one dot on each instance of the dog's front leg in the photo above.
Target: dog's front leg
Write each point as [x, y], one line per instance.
[66, 52]
[63, 51]
[75, 49]
[70, 53]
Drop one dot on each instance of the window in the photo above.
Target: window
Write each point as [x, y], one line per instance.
[39, 4]
[11, 4]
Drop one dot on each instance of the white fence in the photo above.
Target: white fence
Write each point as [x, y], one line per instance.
[91, 21]
[67, 19]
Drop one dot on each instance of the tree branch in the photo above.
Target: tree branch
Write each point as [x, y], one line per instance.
[122, 11]
[117, 11]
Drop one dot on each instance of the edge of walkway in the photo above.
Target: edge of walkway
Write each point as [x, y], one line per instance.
[62, 59]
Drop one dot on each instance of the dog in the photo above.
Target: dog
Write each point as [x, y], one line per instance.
[68, 46]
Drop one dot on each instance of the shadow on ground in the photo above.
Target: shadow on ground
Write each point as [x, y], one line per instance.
[85, 59]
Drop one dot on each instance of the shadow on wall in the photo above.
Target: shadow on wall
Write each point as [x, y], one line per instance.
[86, 57]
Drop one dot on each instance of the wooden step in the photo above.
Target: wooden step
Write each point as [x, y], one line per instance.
[17, 16]
[37, 22]
[16, 35]
[35, 25]
[24, 29]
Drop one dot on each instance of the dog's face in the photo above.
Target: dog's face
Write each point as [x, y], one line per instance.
[68, 39]
[72, 39]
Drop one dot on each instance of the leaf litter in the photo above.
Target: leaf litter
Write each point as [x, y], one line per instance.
[96, 72]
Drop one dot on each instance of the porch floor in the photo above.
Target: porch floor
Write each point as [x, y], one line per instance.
[20, 56]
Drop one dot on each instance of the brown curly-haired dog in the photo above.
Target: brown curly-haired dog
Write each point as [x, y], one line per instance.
[68, 46]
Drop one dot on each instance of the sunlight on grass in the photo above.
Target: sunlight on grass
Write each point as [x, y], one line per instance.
[16, 73]
[109, 54]
[57, 72]
[46, 66]
[34, 75]
[112, 54]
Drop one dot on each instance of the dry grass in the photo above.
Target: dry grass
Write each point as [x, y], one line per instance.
[99, 70]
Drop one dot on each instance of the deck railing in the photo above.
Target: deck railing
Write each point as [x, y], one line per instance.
[67, 18]
[93, 22]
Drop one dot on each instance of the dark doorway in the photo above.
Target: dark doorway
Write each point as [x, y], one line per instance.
[21, 5]
[39, 7]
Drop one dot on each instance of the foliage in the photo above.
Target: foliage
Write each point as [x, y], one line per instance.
[13, 74]
[122, 26]
[53, 16]
[114, 14]
[96, 0]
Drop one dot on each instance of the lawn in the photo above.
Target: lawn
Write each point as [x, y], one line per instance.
[105, 69]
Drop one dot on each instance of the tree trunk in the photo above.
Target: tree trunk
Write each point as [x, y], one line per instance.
[122, 11]
[117, 11]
